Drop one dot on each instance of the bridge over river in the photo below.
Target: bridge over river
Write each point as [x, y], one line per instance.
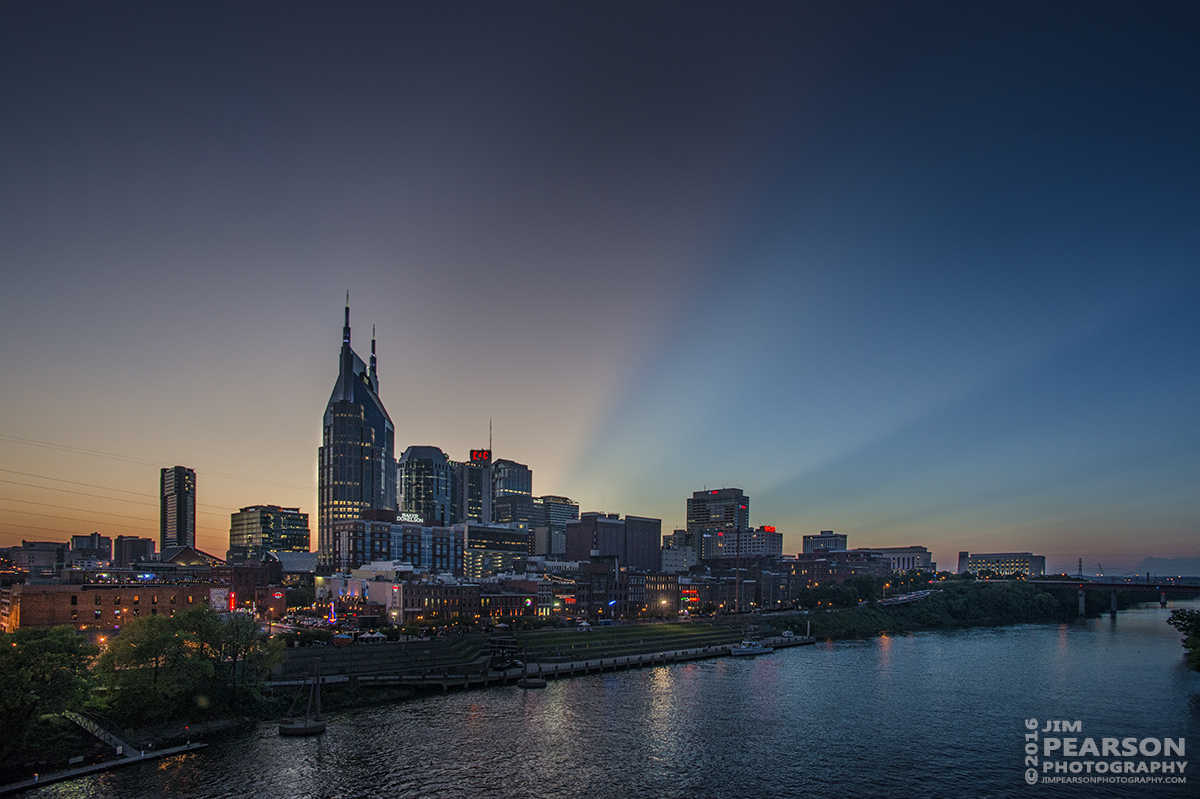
[1163, 588]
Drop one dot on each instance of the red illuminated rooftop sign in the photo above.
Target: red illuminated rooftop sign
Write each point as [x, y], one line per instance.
[768, 528]
[481, 456]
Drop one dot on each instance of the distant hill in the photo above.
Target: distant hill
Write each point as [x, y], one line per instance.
[1188, 567]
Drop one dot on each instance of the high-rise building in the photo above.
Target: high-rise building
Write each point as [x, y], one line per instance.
[177, 517]
[559, 512]
[712, 515]
[634, 541]
[425, 478]
[510, 477]
[259, 529]
[473, 488]
[356, 467]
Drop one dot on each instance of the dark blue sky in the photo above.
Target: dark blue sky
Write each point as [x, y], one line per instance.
[921, 273]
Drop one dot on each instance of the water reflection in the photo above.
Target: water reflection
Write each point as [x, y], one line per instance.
[929, 715]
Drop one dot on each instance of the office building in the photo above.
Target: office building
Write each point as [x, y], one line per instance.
[904, 558]
[825, 541]
[713, 514]
[129, 550]
[356, 467]
[177, 516]
[1003, 563]
[93, 547]
[472, 488]
[634, 541]
[490, 549]
[764, 541]
[520, 509]
[425, 480]
[510, 477]
[559, 512]
[680, 552]
[259, 529]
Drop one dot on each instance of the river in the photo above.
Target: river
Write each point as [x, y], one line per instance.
[921, 715]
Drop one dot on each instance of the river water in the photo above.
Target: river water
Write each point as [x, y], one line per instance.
[922, 715]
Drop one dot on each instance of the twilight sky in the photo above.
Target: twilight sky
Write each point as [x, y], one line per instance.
[922, 273]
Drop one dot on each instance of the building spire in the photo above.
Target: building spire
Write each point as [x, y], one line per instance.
[373, 373]
[346, 326]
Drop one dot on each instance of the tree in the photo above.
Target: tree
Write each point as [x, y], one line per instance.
[198, 661]
[41, 672]
[1187, 621]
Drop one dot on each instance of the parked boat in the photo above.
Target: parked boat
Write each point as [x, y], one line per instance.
[311, 722]
[749, 648]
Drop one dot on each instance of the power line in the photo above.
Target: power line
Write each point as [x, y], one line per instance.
[74, 519]
[73, 482]
[98, 496]
[78, 510]
[130, 459]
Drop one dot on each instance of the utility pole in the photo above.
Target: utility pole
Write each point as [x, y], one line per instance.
[737, 571]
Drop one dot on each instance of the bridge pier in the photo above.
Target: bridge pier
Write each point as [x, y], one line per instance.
[1162, 599]
[1082, 603]
[1113, 604]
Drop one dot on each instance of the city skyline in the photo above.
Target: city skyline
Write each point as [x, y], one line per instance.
[923, 275]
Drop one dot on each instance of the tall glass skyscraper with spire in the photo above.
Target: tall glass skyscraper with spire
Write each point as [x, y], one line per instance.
[356, 465]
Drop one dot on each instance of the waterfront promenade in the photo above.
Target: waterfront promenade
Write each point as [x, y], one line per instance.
[107, 765]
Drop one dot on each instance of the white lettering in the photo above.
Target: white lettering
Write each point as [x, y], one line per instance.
[1050, 745]
[1173, 747]
[1068, 747]
[1129, 746]
[1149, 744]
[1089, 748]
[1110, 747]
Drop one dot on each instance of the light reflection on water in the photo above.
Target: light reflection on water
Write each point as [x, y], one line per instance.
[924, 715]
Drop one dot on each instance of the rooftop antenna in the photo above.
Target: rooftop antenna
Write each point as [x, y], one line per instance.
[489, 434]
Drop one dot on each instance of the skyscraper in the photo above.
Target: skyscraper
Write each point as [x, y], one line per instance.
[473, 488]
[177, 516]
[425, 478]
[715, 514]
[356, 466]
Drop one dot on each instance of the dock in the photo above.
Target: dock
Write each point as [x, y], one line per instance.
[82, 771]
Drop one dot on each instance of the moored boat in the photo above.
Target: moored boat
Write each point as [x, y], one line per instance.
[749, 648]
[311, 722]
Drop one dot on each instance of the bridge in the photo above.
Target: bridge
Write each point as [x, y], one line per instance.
[1162, 588]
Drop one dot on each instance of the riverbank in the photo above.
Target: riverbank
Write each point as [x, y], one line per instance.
[955, 605]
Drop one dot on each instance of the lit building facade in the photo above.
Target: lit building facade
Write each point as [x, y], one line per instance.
[259, 529]
[713, 514]
[473, 488]
[177, 516]
[825, 541]
[1003, 563]
[425, 478]
[904, 558]
[356, 467]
